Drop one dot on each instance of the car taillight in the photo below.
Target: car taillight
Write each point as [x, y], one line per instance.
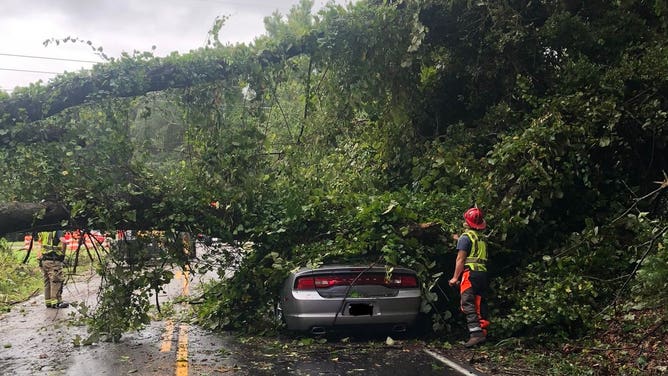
[326, 281]
[322, 282]
[305, 283]
[337, 280]
[403, 281]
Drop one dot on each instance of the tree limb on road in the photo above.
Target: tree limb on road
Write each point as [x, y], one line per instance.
[49, 215]
[27, 217]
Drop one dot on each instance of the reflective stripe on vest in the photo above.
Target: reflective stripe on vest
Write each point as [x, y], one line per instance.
[478, 257]
[47, 238]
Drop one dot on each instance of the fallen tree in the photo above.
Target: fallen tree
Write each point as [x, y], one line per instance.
[28, 217]
[126, 77]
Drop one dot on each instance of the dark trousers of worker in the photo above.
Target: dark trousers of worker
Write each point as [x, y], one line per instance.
[53, 281]
[473, 291]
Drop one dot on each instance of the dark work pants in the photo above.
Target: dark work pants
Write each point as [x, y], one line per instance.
[473, 291]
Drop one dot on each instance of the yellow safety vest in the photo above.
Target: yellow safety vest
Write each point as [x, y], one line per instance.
[48, 238]
[477, 258]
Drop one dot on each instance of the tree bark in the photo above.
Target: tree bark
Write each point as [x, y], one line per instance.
[28, 217]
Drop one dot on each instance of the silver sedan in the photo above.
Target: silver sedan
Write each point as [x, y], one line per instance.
[345, 295]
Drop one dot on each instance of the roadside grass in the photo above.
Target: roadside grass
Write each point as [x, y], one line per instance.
[18, 281]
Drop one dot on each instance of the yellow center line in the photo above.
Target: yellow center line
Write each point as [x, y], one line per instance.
[182, 352]
[166, 345]
[186, 280]
[182, 347]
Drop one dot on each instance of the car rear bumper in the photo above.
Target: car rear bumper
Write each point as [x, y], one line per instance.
[307, 309]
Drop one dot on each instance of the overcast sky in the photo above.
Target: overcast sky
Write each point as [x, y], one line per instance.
[117, 26]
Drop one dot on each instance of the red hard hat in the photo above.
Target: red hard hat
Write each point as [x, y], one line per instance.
[474, 218]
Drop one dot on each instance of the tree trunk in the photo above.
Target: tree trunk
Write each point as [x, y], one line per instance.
[28, 216]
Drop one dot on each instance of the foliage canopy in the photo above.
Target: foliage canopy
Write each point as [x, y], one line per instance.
[335, 134]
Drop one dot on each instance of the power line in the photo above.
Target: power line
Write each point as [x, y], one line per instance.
[48, 58]
[29, 71]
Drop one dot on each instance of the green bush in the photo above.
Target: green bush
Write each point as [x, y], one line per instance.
[546, 302]
[651, 285]
[18, 281]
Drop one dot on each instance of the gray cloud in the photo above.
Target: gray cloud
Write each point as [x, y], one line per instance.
[131, 14]
[117, 26]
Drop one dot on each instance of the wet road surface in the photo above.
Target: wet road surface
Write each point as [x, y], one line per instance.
[40, 341]
[367, 357]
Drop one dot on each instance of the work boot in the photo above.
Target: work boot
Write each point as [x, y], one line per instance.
[476, 339]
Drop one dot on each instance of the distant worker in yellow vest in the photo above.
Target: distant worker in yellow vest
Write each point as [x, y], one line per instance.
[471, 267]
[51, 261]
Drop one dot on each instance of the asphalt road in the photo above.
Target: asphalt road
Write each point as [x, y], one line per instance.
[40, 341]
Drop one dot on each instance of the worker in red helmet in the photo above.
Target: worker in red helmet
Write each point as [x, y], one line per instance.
[471, 268]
